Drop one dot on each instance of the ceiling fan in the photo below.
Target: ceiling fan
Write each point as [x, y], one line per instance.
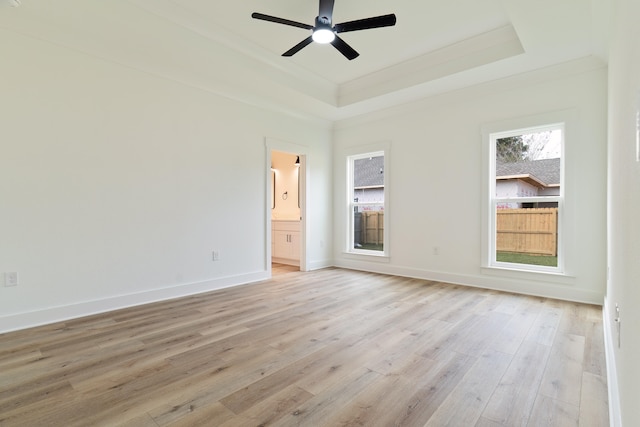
[324, 32]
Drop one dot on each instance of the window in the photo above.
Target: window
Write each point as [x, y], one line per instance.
[526, 194]
[368, 228]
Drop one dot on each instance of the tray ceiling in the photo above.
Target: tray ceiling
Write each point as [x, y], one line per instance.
[435, 46]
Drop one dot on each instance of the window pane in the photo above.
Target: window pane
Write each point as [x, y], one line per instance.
[528, 165]
[368, 193]
[368, 227]
[527, 234]
[368, 180]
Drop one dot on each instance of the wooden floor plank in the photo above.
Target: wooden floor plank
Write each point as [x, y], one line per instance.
[392, 389]
[468, 399]
[272, 409]
[552, 412]
[515, 394]
[205, 416]
[319, 410]
[510, 338]
[143, 420]
[545, 327]
[594, 352]
[483, 422]
[432, 387]
[594, 406]
[328, 347]
[562, 379]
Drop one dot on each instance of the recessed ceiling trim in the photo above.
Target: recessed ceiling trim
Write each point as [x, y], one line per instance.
[458, 93]
[189, 42]
[474, 52]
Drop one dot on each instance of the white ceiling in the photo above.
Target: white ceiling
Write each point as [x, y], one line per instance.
[435, 47]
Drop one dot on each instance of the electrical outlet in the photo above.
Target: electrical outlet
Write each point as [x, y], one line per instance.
[215, 256]
[436, 250]
[11, 279]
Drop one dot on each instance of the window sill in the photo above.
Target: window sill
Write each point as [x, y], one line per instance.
[540, 276]
[367, 256]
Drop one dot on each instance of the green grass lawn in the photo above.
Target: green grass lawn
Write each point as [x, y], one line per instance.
[517, 258]
[371, 247]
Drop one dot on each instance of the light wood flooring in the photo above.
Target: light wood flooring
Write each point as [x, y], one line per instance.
[278, 269]
[326, 348]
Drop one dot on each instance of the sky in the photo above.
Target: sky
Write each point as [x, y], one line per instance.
[545, 145]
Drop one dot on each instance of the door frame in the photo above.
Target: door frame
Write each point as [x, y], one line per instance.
[272, 144]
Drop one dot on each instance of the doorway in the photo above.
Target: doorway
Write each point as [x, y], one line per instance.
[285, 209]
[286, 225]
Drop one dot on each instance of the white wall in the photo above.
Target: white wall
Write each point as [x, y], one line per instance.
[116, 185]
[436, 180]
[624, 214]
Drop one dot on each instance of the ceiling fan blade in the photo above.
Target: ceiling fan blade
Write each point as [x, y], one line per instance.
[326, 9]
[297, 48]
[344, 48]
[263, 17]
[366, 23]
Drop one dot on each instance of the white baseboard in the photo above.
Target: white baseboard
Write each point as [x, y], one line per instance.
[507, 284]
[318, 265]
[46, 316]
[615, 415]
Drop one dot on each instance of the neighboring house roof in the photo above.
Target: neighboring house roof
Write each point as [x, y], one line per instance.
[541, 173]
[368, 172]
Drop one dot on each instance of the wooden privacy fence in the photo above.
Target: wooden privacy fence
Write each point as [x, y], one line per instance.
[530, 231]
[369, 227]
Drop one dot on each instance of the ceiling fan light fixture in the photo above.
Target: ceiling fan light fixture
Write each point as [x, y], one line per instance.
[323, 35]
[324, 32]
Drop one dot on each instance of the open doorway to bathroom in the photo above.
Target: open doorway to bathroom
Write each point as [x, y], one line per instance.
[286, 212]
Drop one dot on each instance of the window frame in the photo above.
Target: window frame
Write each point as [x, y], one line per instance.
[493, 200]
[350, 158]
